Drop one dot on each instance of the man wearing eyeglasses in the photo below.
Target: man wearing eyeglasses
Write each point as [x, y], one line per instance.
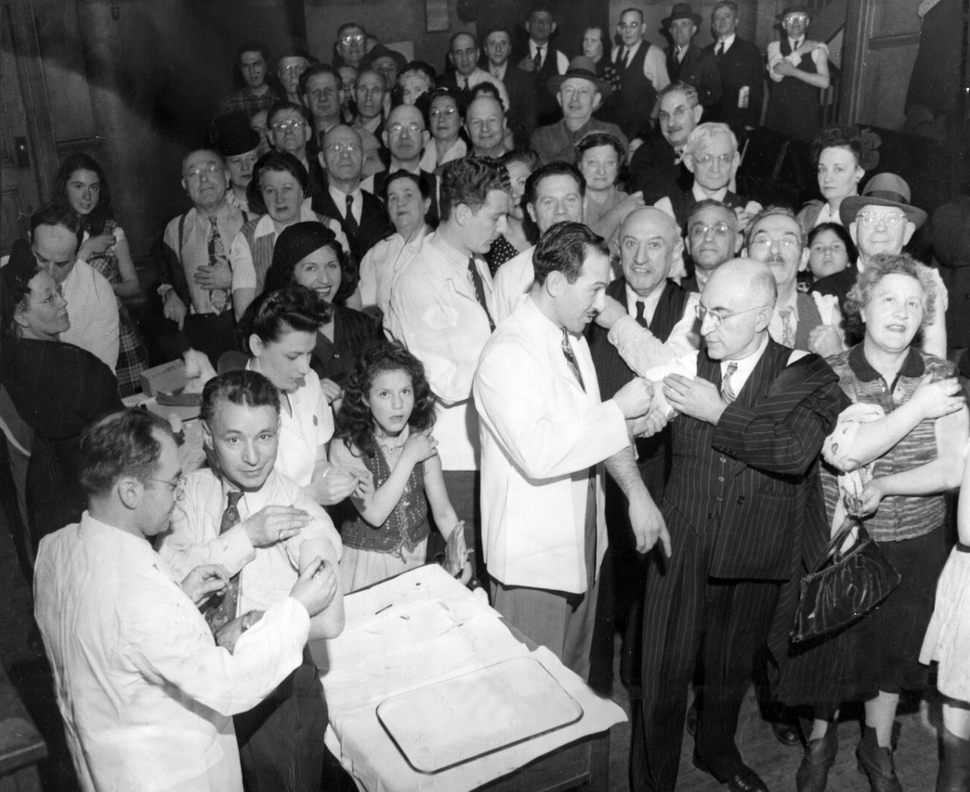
[253, 520]
[883, 220]
[361, 214]
[405, 136]
[289, 68]
[290, 132]
[742, 500]
[145, 693]
[464, 54]
[799, 321]
[350, 46]
[711, 154]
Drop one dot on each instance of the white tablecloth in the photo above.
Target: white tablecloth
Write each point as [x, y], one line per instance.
[421, 627]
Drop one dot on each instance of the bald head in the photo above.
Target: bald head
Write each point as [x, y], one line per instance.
[739, 299]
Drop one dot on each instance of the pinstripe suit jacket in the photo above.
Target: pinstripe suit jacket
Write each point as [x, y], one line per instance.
[751, 482]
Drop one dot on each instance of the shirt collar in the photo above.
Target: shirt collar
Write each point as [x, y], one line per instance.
[650, 302]
[745, 365]
[251, 502]
[454, 256]
[912, 366]
[701, 195]
[340, 197]
[727, 42]
[498, 72]
[795, 44]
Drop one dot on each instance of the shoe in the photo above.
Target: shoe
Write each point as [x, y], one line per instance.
[813, 772]
[786, 733]
[692, 718]
[747, 781]
[876, 762]
[955, 766]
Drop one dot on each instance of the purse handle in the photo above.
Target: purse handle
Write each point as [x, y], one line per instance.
[840, 536]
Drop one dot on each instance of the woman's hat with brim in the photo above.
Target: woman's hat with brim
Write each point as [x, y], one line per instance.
[583, 68]
[380, 51]
[883, 189]
[234, 135]
[682, 11]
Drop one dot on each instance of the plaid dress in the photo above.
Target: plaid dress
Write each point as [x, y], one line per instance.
[132, 353]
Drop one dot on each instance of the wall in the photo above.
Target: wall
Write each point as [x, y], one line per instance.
[137, 91]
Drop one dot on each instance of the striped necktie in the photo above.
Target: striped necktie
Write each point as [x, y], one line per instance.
[570, 356]
[221, 608]
[727, 391]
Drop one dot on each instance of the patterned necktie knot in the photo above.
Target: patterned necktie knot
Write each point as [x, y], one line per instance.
[567, 351]
[727, 390]
[221, 608]
[476, 280]
[217, 257]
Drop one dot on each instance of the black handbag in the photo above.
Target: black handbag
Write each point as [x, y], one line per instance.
[843, 586]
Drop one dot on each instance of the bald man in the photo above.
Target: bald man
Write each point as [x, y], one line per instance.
[664, 313]
[743, 505]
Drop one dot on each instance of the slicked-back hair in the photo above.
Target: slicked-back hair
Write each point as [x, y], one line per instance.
[355, 423]
[552, 169]
[564, 248]
[711, 203]
[689, 92]
[284, 106]
[730, 4]
[273, 314]
[632, 10]
[772, 211]
[243, 388]
[315, 70]
[702, 135]
[280, 161]
[56, 214]
[469, 181]
[94, 221]
[120, 444]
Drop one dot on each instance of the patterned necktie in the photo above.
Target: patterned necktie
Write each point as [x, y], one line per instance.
[787, 327]
[476, 279]
[727, 392]
[350, 221]
[567, 352]
[537, 60]
[217, 257]
[221, 608]
[641, 319]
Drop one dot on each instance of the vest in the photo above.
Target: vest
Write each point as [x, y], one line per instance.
[746, 513]
[405, 527]
[637, 94]
[793, 105]
[808, 319]
[547, 108]
[262, 251]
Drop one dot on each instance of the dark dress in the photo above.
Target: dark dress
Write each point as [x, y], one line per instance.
[58, 389]
[353, 332]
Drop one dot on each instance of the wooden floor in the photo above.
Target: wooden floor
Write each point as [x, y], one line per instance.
[916, 758]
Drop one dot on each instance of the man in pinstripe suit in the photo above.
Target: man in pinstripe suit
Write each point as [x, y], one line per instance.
[743, 506]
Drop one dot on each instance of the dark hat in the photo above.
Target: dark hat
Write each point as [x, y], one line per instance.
[682, 11]
[380, 51]
[583, 67]
[883, 189]
[234, 134]
[795, 8]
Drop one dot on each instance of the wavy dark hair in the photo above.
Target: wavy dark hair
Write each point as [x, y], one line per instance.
[355, 423]
[842, 233]
[15, 280]
[93, 222]
[298, 241]
[282, 162]
[275, 313]
[864, 144]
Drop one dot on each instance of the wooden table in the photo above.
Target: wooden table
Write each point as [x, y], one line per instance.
[21, 746]
[424, 627]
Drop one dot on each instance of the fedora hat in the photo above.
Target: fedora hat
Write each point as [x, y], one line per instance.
[682, 11]
[795, 8]
[234, 135]
[883, 189]
[584, 68]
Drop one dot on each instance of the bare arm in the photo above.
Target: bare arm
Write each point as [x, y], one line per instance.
[129, 285]
[645, 518]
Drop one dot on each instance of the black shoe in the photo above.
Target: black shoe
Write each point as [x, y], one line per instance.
[876, 762]
[813, 772]
[692, 718]
[786, 733]
[747, 781]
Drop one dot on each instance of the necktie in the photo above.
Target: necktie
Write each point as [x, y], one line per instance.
[680, 55]
[476, 280]
[625, 59]
[787, 327]
[727, 392]
[567, 352]
[537, 60]
[217, 257]
[719, 49]
[350, 223]
[221, 608]
[641, 319]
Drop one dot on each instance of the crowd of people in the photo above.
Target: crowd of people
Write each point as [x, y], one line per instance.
[514, 318]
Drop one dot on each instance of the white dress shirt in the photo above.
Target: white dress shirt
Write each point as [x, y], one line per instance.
[382, 264]
[434, 312]
[307, 426]
[146, 696]
[725, 43]
[267, 573]
[562, 62]
[541, 432]
[93, 309]
[340, 199]
[654, 64]
[819, 55]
